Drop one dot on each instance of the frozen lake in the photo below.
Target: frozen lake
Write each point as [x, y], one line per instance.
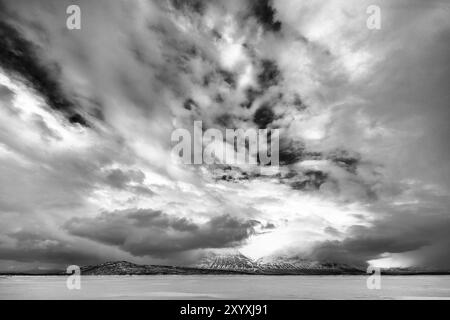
[224, 287]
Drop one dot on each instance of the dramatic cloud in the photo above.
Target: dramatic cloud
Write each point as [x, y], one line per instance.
[148, 232]
[86, 118]
[401, 231]
[19, 56]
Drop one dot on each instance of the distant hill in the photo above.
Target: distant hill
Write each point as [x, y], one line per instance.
[226, 262]
[128, 268]
[234, 262]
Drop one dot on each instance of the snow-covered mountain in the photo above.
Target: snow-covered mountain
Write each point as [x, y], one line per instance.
[227, 260]
[285, 262]
[234, 260]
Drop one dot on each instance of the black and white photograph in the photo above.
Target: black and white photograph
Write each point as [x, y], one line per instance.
[199, 150]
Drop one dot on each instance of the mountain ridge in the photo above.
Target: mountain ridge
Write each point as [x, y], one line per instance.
[273, 264]
[228, 262]
[234, 262]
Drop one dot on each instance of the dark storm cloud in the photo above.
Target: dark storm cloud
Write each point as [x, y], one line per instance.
[35, 245]
[263, 116]
[265, 14]
[414, 83]
[270, 74]
[406, 229]
[18, 55]
[148, 232]
[213, 63]
[291, 151]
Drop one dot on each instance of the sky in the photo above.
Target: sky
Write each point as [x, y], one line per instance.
[86, 118]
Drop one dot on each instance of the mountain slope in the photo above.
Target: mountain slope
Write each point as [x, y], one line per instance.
[299, 265]
[128, 268]
[236, 261]
[227, 260]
